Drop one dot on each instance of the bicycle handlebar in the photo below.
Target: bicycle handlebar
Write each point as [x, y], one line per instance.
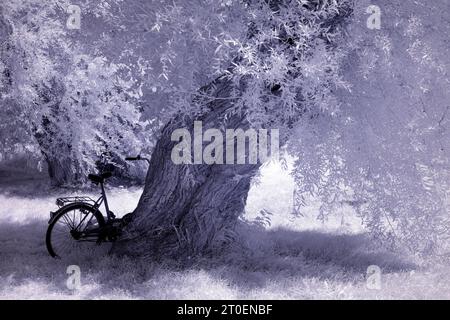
[133, 158]
[138, 158]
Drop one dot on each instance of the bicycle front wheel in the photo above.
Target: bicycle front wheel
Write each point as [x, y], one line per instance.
[76, 232]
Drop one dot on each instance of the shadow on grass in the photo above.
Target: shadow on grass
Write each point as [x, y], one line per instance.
[281, 253]
[262, 256]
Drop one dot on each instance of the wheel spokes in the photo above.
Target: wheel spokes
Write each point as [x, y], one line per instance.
[75, 233]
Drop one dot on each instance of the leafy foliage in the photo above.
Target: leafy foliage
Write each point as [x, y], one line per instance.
[387, 149]
[74, 105]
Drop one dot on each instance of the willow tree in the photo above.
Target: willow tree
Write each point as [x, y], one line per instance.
[364, 110]
[281, 65]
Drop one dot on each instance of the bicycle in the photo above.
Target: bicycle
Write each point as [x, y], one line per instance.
[79, 227]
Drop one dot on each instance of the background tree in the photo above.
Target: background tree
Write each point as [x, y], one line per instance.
[67, 98]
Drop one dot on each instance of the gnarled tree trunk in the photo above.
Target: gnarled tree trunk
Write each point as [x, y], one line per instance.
[190, 209]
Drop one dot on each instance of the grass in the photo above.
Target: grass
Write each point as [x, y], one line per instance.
[296, 258]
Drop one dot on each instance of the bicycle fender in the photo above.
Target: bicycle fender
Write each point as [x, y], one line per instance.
[54, 214]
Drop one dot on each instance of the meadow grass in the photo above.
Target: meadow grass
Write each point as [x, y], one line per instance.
[295, 258]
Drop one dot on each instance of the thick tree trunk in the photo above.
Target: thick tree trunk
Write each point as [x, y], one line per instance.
[188, 210]
[60, 171]
[59, 162]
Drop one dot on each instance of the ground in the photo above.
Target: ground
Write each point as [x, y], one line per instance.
[296, 257]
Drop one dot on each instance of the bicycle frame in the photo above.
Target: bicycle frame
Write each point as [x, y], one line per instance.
[103, 199]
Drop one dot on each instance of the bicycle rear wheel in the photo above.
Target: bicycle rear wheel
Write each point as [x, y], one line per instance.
[75, 232]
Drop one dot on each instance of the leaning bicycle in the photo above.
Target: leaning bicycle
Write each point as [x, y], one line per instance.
[78, 227]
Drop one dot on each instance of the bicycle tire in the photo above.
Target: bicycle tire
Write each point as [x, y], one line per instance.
[61, 218]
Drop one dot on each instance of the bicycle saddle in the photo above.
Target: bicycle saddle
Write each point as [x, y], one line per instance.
[99, 178]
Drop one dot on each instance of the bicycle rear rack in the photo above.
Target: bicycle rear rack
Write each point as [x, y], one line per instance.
[61, 202]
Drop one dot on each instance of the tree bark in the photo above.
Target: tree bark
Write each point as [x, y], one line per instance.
[60, 171]
[187, 210]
